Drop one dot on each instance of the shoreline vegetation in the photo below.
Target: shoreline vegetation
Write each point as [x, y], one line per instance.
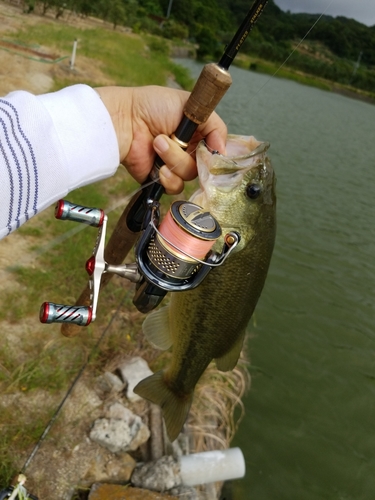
[288, 73]
[338, 55]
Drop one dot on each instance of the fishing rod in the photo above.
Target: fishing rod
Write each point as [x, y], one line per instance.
[156, 256]
[208, 91]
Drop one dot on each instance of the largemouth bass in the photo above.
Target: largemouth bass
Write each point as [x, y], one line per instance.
[209, 322]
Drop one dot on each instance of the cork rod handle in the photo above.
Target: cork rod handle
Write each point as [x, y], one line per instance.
[209, 89]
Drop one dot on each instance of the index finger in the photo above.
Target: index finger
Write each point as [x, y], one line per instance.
[215, 132]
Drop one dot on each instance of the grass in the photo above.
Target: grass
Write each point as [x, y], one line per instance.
[270, 68]
[129, 60]
[18, 430]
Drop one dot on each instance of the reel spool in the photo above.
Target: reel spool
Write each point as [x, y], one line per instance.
[185, 237]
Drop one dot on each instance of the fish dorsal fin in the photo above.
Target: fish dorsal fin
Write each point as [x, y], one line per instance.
[229, 360]
[157, 330]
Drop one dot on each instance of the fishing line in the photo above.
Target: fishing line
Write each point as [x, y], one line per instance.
[289, 56]
[183, 241]
[71, 388]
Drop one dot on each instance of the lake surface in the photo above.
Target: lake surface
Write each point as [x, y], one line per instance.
[309, 430]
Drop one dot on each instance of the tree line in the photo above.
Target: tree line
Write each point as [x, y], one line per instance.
[338, 49]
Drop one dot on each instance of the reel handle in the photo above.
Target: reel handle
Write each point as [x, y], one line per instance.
[119, 245]
[65, 210]
[59, 313]
[96, 266]
[83, 314]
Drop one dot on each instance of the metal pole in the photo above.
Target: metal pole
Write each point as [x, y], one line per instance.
[169, 8]
[73, 59]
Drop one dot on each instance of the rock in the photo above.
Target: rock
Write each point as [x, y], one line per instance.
[114, 468]
[187, 493]
[122, 431]
[119, 412]
[121, 469]
[133, 371]
[109, 382]
[118, 492]
[160, 475]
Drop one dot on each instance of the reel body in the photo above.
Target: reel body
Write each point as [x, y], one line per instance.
[172, 256]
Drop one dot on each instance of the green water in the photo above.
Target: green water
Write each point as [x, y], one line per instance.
[309, 430]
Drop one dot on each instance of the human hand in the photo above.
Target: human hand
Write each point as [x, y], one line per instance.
[144, 118]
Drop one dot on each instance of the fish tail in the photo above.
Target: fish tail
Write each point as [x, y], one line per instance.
[174, 407]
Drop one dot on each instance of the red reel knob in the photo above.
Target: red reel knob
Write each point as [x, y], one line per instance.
[90, 266]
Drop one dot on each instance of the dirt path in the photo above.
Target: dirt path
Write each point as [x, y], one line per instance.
[17, 68]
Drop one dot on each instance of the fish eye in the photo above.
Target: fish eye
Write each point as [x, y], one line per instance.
[253, 191]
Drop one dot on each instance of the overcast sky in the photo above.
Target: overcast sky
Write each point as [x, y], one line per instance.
[361, 10]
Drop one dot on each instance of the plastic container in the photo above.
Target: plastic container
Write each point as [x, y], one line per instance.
[212, 466]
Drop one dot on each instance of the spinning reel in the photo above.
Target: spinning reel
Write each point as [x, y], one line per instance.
[172, 256]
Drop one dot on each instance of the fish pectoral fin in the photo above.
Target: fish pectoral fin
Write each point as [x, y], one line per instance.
[156, 328]
[230, 359]
[174, 407]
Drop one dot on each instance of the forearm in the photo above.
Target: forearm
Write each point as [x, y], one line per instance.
[50, 145]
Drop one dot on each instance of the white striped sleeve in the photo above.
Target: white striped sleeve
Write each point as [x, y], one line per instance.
[50, 145]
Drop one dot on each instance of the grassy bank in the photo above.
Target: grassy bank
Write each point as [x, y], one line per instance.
[274, 69]
[127, 59]
[37, 364]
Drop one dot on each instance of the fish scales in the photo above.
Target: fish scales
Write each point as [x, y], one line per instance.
[209, 322]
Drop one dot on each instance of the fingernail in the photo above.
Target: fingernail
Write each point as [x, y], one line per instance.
[165, 172]
[161, 144]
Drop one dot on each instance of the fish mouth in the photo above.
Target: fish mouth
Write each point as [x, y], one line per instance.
[241, 149]
[224, 172]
